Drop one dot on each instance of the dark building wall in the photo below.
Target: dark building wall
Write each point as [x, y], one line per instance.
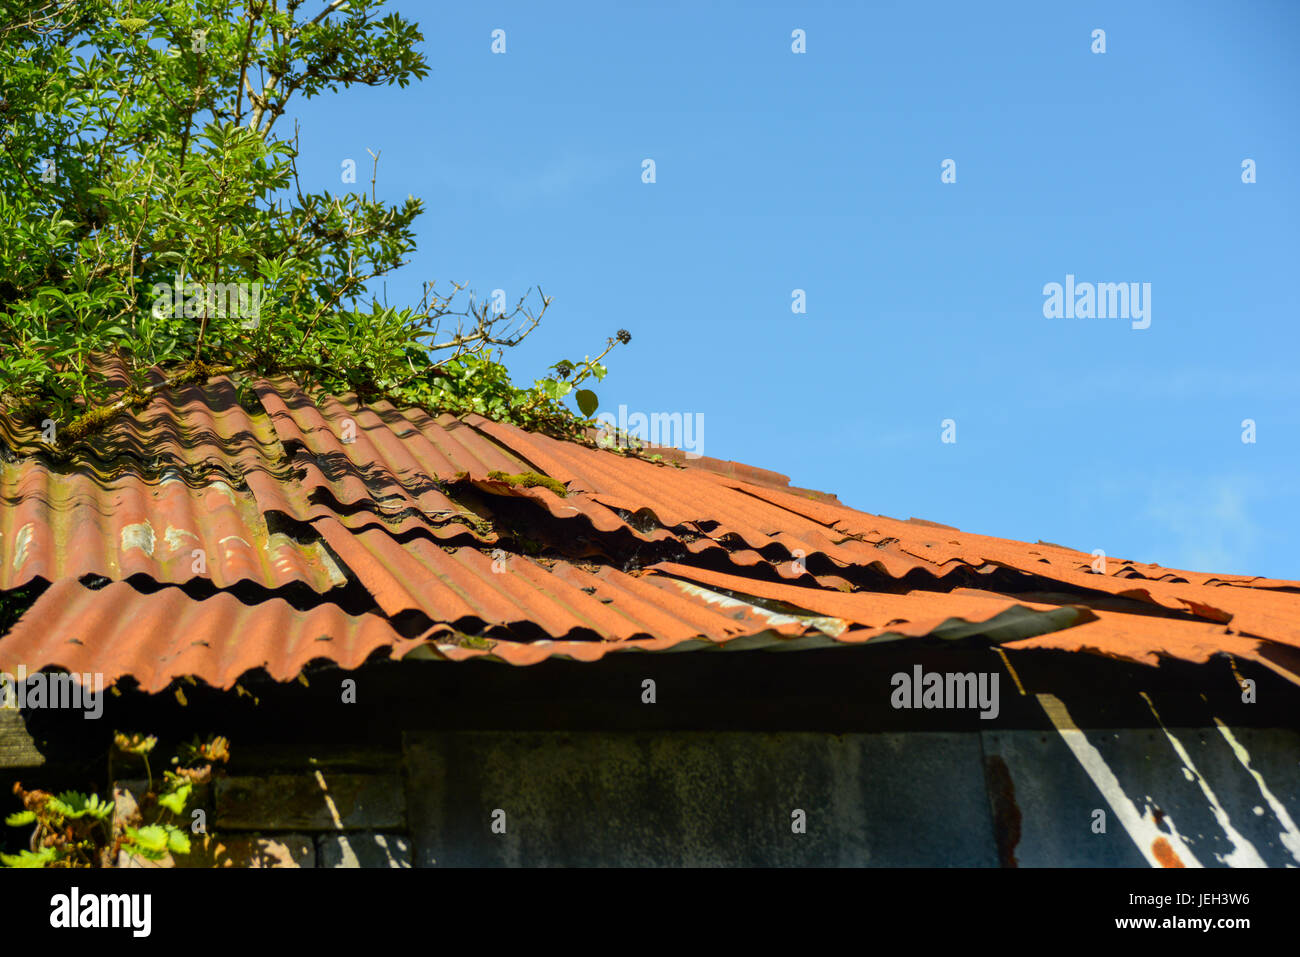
[1088, 762]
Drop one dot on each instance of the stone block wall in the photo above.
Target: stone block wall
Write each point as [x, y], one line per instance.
[314, 819]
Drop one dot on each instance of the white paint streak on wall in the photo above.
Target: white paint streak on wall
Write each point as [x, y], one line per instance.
[1243, 853]
[1290, 833]
[1142, 828]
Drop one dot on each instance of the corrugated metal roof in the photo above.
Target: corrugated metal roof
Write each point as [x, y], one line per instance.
[304, 504]
[56, 525]
[191, 429]
[467, 587]
[163, 635]
[378, 457]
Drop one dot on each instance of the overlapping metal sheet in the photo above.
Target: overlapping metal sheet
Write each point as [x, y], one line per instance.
[296, 500]
[163, 635]
[56, 525]
[381, 458]
[193, 428]
[377, 457]
[468, 587]
[1268, 610]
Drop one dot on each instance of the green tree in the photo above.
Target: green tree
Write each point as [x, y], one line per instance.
[150, 207]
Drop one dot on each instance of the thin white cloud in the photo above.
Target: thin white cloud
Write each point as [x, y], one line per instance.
[1208, 526]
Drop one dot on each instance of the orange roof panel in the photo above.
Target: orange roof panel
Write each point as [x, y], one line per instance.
[335, 529]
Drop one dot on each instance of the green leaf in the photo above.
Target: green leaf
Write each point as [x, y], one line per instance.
[71, 804]
[178, 842]
[99, 809]
[225, 213]
[27, 859]
[150, 839]
[588, 403]
[20, 818]
[175, 801]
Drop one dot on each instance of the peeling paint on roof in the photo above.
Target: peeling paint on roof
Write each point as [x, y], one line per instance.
[22, 541]
[139, 535]
[176, 537]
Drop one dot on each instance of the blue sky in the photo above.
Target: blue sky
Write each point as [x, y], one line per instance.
[821, 171]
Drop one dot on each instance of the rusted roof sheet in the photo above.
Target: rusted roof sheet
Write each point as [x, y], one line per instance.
[468, 588]
[194, 429]
[164, 635]
[1132, 639]
[713, 510]
[377, 457]
[296, 501]
[56, 525]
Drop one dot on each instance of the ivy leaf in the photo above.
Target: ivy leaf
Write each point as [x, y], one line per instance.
[588, 403]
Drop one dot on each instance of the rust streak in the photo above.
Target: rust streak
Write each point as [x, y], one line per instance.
[1165, 854]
